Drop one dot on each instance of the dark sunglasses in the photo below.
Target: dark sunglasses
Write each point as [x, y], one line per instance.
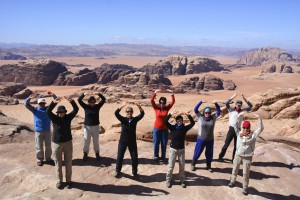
[42, 103]
[207, 113]
[61, 111]
[129, 111]
[246, 128]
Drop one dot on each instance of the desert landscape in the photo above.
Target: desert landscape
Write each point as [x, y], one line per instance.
[272, 86]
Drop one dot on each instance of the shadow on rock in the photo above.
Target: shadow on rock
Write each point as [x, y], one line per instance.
[104, 162]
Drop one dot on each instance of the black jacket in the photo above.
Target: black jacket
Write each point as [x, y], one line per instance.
[91, 117]
[178, 133]
[61, 125]
[128, 132]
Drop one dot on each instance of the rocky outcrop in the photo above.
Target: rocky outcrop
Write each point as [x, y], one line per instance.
[266, 54]
[23, 94]
[83, 77]
[180, 65]
[276, 67]
[12, 130]
[10, 92]
[207, 82]
[111, 72]
[11, 56]
[291, 129]
[32, 72]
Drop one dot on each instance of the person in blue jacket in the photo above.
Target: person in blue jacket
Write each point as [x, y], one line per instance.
[41, 128]
[205, 139]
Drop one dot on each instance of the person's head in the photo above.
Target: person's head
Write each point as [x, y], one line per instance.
[92, 101]
[238, 104]
[129, 112]
[61, 111]
[179, 120]
[246, 127]
[162, 102]
[207, 112]
[42, 102]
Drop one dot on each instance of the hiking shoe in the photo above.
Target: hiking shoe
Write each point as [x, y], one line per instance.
[97, 156]
[168, 184]
[245, 191]
[231, 185]
[117, 174]
[69, 185]
[156, 159]
[183, 184]
[59, 185]
[50, 162]
[193, 167]
[85, 157]
[39, 163]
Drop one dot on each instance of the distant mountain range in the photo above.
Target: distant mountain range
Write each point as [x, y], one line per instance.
[31, 50]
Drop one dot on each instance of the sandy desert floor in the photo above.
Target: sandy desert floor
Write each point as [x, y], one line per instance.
[274, 175]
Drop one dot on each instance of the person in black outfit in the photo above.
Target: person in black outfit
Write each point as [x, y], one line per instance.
[91, 123]
[128, 138]
[62, 139]
[178, 133]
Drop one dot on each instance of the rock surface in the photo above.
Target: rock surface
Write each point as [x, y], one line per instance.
[83, 77]
[276, 67]
[11, 56]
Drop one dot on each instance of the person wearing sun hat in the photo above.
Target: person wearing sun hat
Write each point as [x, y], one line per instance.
[205, 139]
[91, 123]
[41, 128]
[246, 140]
[62, 139]
[234, 124]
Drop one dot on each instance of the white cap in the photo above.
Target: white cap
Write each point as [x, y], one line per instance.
[41, 100]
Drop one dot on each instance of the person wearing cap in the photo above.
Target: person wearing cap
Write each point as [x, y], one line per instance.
[91, 123]
[41, 128]
[160, 130]
[205, 139]
[62, 139]
[178, 133]
[234, 124]
[128, 138]
[245, 149]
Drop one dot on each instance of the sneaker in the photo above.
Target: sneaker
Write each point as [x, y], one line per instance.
[59, 185]
[245, 191]
[164, 160]
[39, 163]
[168, 184]
[231, 185]
[183, 184]
[193, 167]
[69, 185]
[85, 157]
[156, 159]
[97, 156]
[50, 162]
[117, 174]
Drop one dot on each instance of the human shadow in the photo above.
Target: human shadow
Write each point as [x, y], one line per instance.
[253, 174]
[138, 190]
[196, 180]
[269, 195]
[159, 177]
[103, 162]
[275, 164]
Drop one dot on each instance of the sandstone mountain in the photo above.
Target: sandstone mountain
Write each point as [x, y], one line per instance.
[180, 65]
[265, 54]
[11, 56]
[32, 72]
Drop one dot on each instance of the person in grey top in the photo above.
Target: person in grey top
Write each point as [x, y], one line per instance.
[206, 123]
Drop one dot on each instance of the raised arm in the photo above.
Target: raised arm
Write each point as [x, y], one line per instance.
[166, 121]
[75, 108]
[103, 99]
[229, 100]
[117, 112]
[197, 107]
[218, 110]
[192, 122]
[260, 126]
[172, 102]
[50, 109]
[28, 105]
[52, 94]
[81, 103]
[152, 100]
[249, 105]
[142, 113]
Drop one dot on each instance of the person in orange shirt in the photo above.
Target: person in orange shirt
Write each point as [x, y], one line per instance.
[160, 130]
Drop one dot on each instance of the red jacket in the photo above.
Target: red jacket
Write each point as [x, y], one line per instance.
[161, 114]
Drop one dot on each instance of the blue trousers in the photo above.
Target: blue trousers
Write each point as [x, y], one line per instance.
[209, 150]
[160, 137]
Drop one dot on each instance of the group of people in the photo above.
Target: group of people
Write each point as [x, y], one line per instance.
[239, 130]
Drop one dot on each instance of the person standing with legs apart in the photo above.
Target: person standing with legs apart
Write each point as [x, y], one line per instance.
[42, 129]
[160, 131]
[91, 123]
[245, 149]
[62, 139]
[178, 133]
[205, 139]
[128, 138]
[234, 124]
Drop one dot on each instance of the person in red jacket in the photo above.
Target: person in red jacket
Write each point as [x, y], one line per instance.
[160, 130]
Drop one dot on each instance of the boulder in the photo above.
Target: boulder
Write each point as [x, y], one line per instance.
[276, 67]
[9, 88]
[7, 100]
[198, 65]
[83, 77]
[23, 94]
[32, 72]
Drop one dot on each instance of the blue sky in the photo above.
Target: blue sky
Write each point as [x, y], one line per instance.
[240, 23]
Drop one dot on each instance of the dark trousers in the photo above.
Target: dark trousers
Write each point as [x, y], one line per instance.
[209, 150]
[230, 135]
[133, 153]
